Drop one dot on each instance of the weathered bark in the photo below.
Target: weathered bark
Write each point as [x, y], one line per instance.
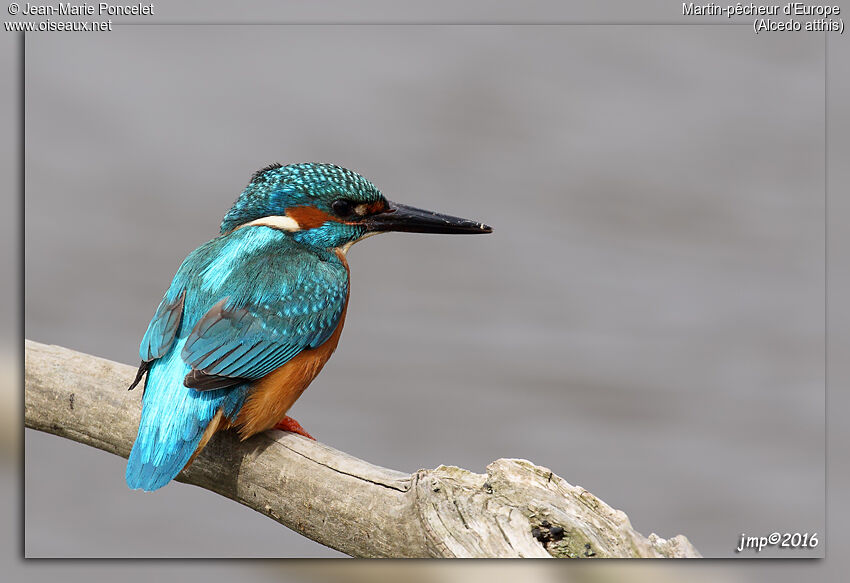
[516, 510]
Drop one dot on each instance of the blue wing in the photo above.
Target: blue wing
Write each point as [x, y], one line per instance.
[239, 307]
[237, 341]
[163, 328]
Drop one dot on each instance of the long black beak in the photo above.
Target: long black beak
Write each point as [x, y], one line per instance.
[400, 217]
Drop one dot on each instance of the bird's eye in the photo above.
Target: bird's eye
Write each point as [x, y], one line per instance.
[342, 207]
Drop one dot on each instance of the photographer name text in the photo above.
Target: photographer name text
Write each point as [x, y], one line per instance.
[86, 9]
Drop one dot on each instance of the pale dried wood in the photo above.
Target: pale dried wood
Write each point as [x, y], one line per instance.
[517, 509]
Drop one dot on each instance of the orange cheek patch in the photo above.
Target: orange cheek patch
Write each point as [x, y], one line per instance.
[309, 217]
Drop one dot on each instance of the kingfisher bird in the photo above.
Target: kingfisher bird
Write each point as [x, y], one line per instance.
[252, 316]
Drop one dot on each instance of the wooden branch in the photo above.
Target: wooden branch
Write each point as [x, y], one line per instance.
[516, 510]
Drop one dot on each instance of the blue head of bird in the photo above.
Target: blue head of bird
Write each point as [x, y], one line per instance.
[326, 206]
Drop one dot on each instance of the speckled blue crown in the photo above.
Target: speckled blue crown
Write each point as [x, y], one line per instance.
[275, 188]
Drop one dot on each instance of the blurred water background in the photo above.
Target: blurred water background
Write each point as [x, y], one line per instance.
[647, 320]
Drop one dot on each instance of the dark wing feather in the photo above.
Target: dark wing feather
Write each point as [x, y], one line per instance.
[143, 369]
[204, 382]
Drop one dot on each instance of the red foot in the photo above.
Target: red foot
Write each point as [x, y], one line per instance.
[290, 424]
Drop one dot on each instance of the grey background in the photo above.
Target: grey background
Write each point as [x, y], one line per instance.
[647, 319]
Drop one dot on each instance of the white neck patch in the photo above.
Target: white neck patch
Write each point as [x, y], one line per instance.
[283, 223]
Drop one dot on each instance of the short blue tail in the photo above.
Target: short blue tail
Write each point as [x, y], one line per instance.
[174, 418]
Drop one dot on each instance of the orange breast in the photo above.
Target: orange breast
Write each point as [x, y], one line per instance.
[272, 396]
